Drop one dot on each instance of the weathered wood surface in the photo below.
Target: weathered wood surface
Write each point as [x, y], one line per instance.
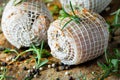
[50, 74]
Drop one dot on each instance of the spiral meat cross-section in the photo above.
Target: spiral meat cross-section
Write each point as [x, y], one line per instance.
[25, 23]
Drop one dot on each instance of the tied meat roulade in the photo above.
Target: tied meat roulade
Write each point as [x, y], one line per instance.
[78, 42]
[94, 5]
[25, 23]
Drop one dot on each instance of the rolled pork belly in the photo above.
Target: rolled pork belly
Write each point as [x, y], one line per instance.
[25, 23]
[78, 43]
[94, 5]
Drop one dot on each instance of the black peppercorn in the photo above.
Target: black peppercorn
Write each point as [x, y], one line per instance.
[2, 48]
[61, 64]
[3, 64]
[57, 78]
[70, 78]
[21, 58]
[56, 64]
[57, 69]
[25, 68]
[35, 71]
[29, 76]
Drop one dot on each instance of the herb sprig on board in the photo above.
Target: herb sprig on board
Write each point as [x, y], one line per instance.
[73, 17]
[111, 67]
[116, 21]
[7, 50]
[16, 2]
[3, 75]
[36, 50]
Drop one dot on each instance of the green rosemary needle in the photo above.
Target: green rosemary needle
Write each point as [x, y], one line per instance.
[116, 21]
[73, 17]
[16, 2]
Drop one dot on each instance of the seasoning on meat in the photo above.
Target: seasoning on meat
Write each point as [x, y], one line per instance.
[78, 43]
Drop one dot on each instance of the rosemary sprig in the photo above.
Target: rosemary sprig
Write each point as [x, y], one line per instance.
[3, 74]
[82, 76]
[48, 1]
[72, 9]
[73, 17]
[111, 66]
[16, 2]
[20, 54]
[7, 50]
[116, 21]
[1, 9]
[36, 50]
